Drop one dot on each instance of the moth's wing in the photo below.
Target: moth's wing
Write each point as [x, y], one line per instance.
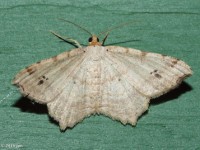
[151, 74]
[120, 99]
[75, 101]
[61, 83]
[44, 81]
[131, 78]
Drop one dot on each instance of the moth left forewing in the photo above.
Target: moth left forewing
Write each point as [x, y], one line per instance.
[156, 73]
[36, 80]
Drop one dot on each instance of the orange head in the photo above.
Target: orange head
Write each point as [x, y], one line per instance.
[94, 40]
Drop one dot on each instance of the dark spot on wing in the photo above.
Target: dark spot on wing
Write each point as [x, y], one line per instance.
[55, 58]
[154, 71]
[40, 82]
[119, 79]
[164, 55]
[127, 50]
[143, 54]
[30, 70]
[157, 75]
[44, 77]
[174, 62]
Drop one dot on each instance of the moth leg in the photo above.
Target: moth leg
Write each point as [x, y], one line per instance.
[68, 40]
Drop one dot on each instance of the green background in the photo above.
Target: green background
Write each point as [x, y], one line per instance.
[170, 27]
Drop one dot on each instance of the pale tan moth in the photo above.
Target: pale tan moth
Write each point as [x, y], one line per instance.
[115, 81]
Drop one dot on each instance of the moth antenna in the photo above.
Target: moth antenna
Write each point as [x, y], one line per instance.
[83, 28]
[115, 27]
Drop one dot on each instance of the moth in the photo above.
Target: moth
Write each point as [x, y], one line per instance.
[115, 81]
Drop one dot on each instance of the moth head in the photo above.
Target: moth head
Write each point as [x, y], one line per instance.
[94, 40]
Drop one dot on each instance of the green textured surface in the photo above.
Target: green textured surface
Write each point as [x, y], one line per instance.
[169, 27]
